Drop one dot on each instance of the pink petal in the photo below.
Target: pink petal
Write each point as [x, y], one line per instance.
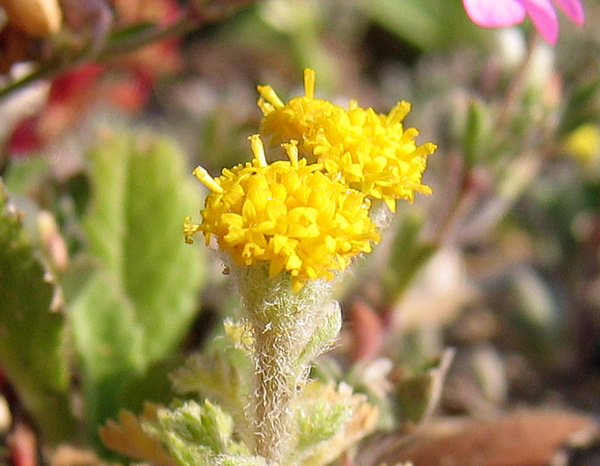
[495, 13]
[573, 9]
[544, 18]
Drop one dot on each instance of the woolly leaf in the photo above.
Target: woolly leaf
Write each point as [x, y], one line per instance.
[129, 437]
[324, 335]
[31, 333]
[206, 425]
[142, 192]
[220, 376]
[202, 435]
[322, 421]
[139, 295]
[330, 420]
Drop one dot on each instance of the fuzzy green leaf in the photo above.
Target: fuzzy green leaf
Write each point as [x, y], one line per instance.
[324, 335]
[109, 342]
[143, 191]
[31, 334]
[322, 421]
[206, 425]
[330, 420]
[222, 376]
[202, 435]
[140, 297]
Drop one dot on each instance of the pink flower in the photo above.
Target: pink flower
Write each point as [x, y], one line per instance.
[501, 13]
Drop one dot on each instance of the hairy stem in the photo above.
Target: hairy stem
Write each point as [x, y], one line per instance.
[277, 382]
[289, 329]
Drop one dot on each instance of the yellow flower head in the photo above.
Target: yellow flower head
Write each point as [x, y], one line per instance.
[370, 152]
[288, 214]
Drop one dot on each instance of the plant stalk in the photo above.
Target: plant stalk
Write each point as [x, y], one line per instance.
[289, 329]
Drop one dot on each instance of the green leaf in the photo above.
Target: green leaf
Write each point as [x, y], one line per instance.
[324, 335]
[31, 333]
[420, 394]
[221, 375]
[143, 191]
[136, 303]
[109, 342]
[202, 435]
[321, 420]
[330, 420]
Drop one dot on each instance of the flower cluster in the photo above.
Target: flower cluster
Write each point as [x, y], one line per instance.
[310, 215]
[288, 214]
[370, 152]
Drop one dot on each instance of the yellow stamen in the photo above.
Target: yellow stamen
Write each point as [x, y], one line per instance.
[258, 150]
[204, 177]
[270, 96]
[291, 150]
[400, 110]
[309, 83]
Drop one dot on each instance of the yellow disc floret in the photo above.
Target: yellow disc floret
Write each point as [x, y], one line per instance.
[370, 152]
[288, 214]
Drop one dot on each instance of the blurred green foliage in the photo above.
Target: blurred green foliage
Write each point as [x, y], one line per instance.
[140, 296]
[32, 332]
[130, 292]
[429, 25]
